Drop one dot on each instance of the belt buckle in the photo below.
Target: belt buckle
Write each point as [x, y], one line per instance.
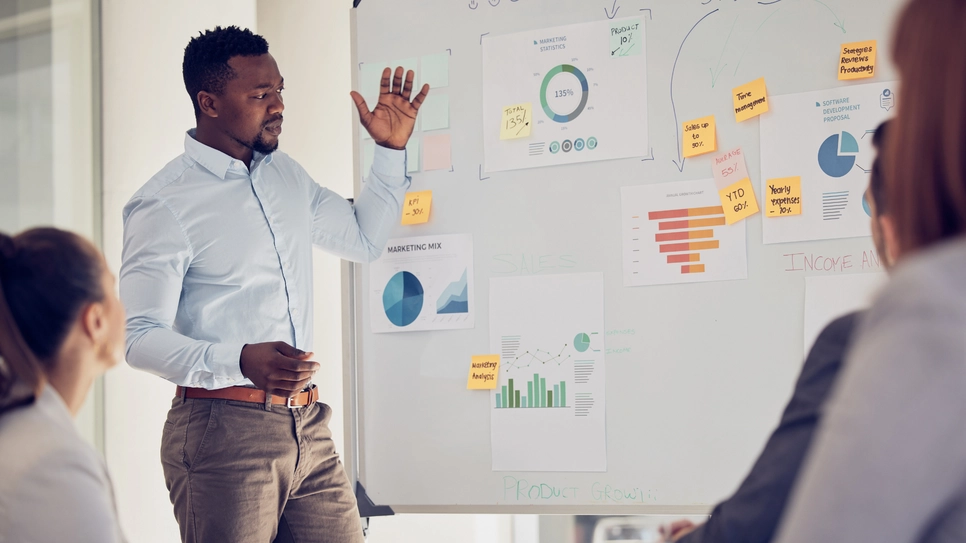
[288, 402]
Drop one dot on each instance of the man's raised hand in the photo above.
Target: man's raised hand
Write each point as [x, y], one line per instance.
[392, 121]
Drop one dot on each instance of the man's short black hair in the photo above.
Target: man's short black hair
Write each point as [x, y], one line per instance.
[876, 182]
[205, 66]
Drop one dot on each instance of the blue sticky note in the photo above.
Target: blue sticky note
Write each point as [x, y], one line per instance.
[370, 76]
[412, 154]
[435, 70]
[434, 113]
[408, 64]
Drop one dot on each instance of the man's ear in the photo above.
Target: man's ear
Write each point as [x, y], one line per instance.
[889, 237]
[208, 104]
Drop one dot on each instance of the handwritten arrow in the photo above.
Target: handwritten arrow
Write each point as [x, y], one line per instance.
[473, 4]
[838, 22]
[613, 11]
[481, 174]
[716, 72]
[679, 163]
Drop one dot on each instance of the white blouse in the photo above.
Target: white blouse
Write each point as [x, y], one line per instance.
[53, 485]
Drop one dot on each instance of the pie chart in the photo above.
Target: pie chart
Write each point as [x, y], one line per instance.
[402, 298]
[836, 156]
[581, 342]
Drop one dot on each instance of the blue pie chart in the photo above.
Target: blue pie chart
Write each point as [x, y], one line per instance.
[831, 161]
[402, 298]
[581, 342]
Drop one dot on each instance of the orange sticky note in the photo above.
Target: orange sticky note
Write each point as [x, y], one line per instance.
[783, 197]
[483, 371]
[751, 99]
[416, 207]
[857, 60]
[699, 137]
[738, 201]
[516, 121]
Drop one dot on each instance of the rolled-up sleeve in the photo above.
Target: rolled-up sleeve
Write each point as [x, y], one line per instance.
[359, 231]
[155, 259]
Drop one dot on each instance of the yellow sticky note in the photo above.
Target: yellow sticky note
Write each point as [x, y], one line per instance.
[738, 201]
[857, 60]
[751, 99]
[516, 121]
[699, 137]
[483, 371]
[783, 197]
[416, 207]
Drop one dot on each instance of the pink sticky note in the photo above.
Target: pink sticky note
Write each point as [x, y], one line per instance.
[436, 152]
[729, 168]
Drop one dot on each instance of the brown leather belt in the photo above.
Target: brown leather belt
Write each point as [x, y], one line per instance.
[253, 395]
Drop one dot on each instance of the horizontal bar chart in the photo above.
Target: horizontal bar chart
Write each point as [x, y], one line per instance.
[693, 268]
[680, 213]
[690, 234]
[693, 223]
[680, 259]
[692, 246]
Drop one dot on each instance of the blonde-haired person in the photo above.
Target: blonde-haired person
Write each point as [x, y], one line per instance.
[61, 325]
[889, 463]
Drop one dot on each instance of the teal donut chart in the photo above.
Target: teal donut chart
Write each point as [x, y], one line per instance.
[583, 96]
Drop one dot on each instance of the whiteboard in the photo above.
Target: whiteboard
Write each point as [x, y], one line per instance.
[697, 374]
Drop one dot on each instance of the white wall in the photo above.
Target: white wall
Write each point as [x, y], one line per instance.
[145, 114]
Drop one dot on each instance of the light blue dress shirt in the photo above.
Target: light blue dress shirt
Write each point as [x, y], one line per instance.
[217, 256]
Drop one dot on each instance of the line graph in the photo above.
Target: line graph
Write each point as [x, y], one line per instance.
[526, 359]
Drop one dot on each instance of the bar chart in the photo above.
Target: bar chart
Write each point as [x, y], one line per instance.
[537, 395]
[676, 233]
[550, 390]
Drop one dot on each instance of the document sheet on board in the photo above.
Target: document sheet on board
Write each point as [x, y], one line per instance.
[566, 94]
[547, 412]
[423, 283]
[824, 137]
[830, 297]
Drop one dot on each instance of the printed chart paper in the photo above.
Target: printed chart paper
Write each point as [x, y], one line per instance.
[824, 137]
[676, 233]
[588, 88]
[423, 283]
[828, 297]
[547, 411]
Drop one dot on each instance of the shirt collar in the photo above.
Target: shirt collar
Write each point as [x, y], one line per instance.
[214, 160]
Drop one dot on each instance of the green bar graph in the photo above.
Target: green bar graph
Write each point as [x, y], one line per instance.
[536, 394]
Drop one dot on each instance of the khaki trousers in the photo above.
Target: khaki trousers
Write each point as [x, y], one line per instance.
[238, 472]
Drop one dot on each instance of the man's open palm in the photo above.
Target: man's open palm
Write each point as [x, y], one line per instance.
[391, 122]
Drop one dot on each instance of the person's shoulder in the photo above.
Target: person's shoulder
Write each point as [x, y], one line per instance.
[172, 172]
[934, 278]
[31, 438]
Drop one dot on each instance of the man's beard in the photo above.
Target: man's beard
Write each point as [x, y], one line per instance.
[262, 146]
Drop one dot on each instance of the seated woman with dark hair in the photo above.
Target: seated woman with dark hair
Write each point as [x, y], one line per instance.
[61, 325]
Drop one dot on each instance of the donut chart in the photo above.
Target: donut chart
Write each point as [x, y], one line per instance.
[544, 99]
